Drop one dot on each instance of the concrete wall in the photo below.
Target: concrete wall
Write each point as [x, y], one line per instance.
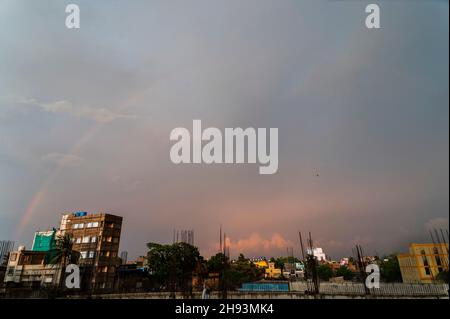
[274, 295]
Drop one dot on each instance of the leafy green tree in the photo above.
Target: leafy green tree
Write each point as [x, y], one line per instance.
[390, 269]
[279, 263]
[62, 255]
[172, 265]
[343, 271]
[243, 271]
[217, 263]
[324, 272]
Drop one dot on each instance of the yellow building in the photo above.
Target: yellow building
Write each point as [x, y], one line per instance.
[261, 264]
[272, 271]
[423, 262]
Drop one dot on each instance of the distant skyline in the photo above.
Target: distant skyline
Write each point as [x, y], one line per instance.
[362, 115]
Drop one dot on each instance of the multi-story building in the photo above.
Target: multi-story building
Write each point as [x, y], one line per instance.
[6, 246]
[97, 238]
[423, 263]
[27, 268]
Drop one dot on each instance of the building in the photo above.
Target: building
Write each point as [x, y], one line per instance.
[266, 286]
[261, 263]
[6, 246]
[26, 268]
[44, 240]
[318, 253]
[141, 261]
[423, 262]
[131, 278]
[124, 257]
[211, 281]
[2, 276]
[272, 271]
[97, 238]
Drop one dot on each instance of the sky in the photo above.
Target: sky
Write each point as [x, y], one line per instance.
[363, 120]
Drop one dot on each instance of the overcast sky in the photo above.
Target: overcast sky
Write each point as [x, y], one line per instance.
[85, 119]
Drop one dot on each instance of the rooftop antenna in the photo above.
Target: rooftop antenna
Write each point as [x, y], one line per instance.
[220, 240]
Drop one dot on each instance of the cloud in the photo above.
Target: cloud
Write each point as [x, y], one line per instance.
[100, 115]
[256, 244]
[437, 223]
[62, 159]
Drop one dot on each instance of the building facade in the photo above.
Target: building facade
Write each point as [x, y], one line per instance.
[318, 253]
[272, 271]
[26, 268]
[97, 238]
[423, 263]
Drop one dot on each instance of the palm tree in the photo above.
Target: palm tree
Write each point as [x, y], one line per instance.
[62, 255]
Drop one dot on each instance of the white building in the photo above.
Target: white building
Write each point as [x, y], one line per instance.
[318, 253]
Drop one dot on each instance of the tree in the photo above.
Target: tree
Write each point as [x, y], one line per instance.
[217, 263]
[243, 271]
[172, 265]
[324, 272]
[62, 255]
[390, 269]
[279, 262]
[343, 271]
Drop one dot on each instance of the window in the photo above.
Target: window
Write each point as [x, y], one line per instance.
[109, 239]
[105, 269]
[78, 240]
[11, 271]
[114, 254]
[93, 239]
[83, 254]
[115, 240]
[85, 239]
[107, 254]
[424, 258]
[91, 254]
[92, 225]
[13, 257]
[438, 260]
